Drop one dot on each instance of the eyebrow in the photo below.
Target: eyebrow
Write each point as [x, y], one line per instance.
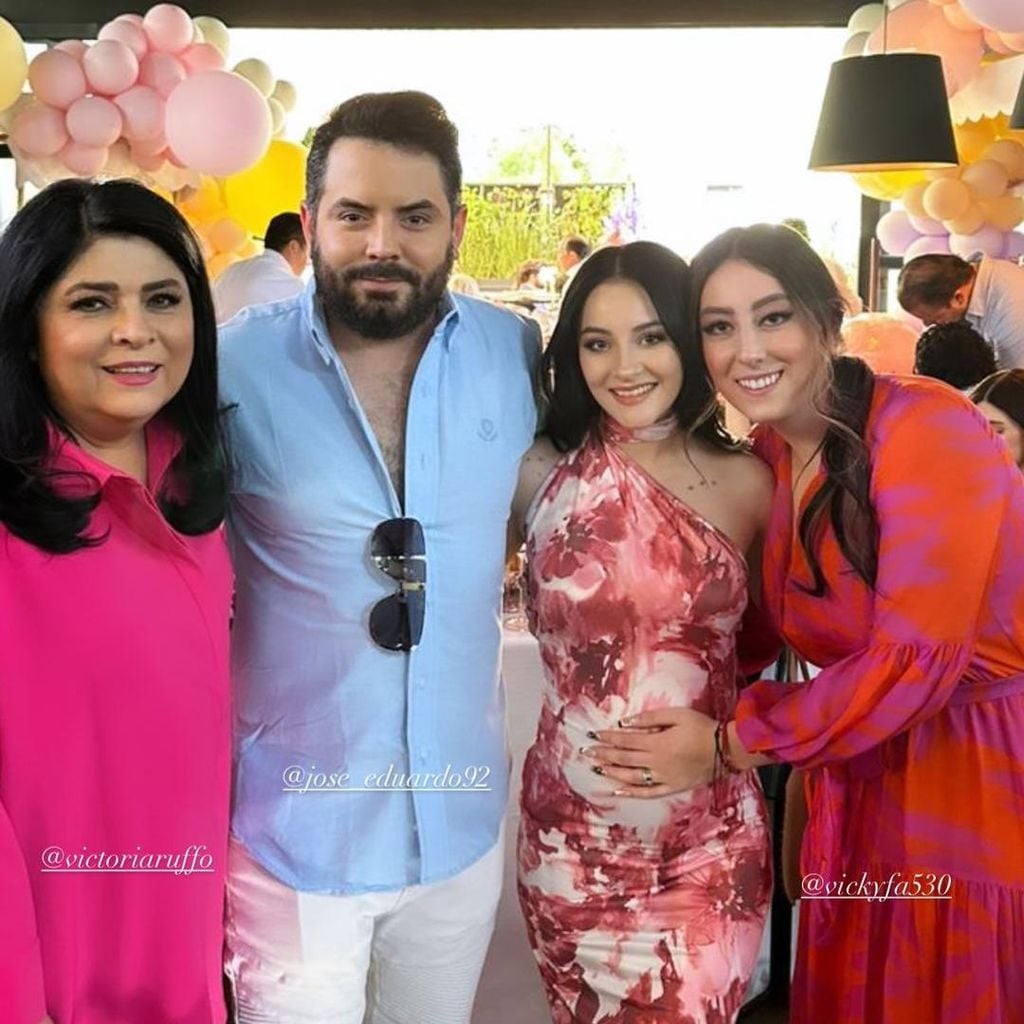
[639, 327]
[344, 203]
[767, 300]
[111, 287]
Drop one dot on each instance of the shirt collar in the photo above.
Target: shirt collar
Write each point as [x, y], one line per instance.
[316, 322]
[162, 445]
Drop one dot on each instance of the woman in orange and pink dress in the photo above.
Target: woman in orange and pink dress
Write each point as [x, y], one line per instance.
[893, 561]
[642, 903]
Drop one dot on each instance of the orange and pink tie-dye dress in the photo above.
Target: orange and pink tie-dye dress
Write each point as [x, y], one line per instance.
[639, 911]
[913, 733]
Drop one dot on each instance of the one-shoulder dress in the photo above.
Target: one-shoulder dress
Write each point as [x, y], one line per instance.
[637, 910]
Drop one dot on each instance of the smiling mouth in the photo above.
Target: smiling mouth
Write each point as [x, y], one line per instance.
[636, 391]
[139, 369]
[762, 383]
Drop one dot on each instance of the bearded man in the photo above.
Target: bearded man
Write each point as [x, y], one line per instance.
[375, 424]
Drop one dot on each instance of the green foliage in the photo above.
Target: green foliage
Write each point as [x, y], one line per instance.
[508, 224]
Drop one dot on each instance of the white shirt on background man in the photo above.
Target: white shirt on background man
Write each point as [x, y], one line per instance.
[264, 278]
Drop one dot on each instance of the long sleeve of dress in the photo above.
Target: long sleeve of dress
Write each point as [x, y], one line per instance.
[22, 998]
[939, 487]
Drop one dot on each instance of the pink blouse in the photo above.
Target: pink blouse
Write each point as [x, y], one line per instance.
[114, 764]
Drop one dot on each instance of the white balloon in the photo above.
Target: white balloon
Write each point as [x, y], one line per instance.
[285, 94]
[277, 116]
[213, 31]
[855, 44]
[258, 72]
[866, 18]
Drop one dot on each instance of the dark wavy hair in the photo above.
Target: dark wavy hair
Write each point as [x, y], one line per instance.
[39, 245]
[843, 399]
[571, 411]
[1004, 390]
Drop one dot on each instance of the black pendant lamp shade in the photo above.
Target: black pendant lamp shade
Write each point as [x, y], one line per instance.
[884, 112]
[1017, 117]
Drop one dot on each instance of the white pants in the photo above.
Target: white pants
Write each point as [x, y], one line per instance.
[412, 956]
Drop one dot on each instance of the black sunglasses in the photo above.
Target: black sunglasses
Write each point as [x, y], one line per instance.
[398, 549]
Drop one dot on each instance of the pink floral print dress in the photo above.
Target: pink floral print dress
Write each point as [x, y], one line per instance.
[638, 911]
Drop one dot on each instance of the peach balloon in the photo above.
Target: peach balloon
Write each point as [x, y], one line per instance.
[157, 144]
[913, 199]
[958, 18]
[110, 67]
[218, 123]
[168, 28]
[995, 42]
[1013, 41]
[986, 179]
[162, 72]
[884, 342]
[219, 262]
[972, 137]
[202, 57]
[56, 78]
[143, 111]
[126, 32]
[94, 122]
[147, 161]
[946, 199]
[84, 160]
[227, 235]
[1003, 212]
[75, 47]
[1010, 153]
[967, 222]
[39, 130]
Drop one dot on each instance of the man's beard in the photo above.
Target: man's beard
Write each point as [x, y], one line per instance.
[388, 315]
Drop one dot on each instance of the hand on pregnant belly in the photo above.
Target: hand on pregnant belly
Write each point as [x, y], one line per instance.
[658, 753]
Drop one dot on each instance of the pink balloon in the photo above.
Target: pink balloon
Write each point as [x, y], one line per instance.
[39, 130]
[84, 160]
[1013, 41]
[959, 18]
[1014, 245]
[94, 122]
[162, 72]
[927, 225]
[1001, 15]
[218, 123]
[147, 161]
[152, 146]
[202, 57]
[995, 43]
[135, 19]
[110, 67]
[142, 109]
[925, 246]
[126, 32]
[168, 28]
[75, 47]
[987, 240]
[895, 232]
[922, 27]
[56, 78]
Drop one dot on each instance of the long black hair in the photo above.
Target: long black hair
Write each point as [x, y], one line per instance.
[844, 398]
[1004, 390]
[571, 411]
[43, 239]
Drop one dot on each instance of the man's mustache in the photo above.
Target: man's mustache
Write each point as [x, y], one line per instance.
[381, 272]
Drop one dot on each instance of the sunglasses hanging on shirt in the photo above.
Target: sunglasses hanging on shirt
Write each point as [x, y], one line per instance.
[398, 550]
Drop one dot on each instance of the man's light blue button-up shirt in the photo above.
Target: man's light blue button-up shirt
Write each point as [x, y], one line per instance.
[357, 768]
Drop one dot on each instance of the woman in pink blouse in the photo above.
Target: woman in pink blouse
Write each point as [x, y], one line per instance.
[114, 601]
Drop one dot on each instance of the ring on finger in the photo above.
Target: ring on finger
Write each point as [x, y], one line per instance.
[647, 776]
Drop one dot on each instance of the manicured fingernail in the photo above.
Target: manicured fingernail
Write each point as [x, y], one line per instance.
[597, 770]
[591, 735]
[625, 723]
[587, 751]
